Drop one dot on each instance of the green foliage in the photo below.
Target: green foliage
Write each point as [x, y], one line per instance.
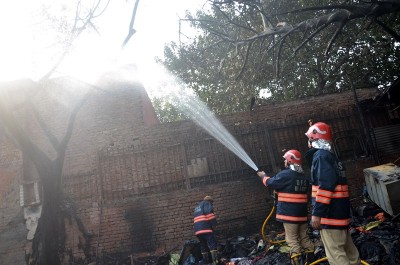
[168, 113]
[225, 66]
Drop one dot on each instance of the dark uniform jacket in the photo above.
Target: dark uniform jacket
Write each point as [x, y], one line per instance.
[330, 191]
[292, 188]
[204, 218]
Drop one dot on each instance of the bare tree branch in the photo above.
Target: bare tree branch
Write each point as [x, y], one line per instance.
[344, 14]
[264, 53]
[233, 22]
[319, 8]
[312, 35]
[246, 58]
[304, 25]
[131, 29]
[334, 37]
[278, 57]
[264, 16]
[75, 33]
[52, 139]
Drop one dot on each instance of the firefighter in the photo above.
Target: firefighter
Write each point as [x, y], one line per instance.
[204, 224]
[292, 188]
[330, 197]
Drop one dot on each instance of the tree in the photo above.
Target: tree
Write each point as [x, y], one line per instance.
[48, 239]
[290, 49]
[48, 242]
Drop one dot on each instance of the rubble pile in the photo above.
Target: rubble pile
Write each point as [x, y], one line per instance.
[377, 239]
[376, 235]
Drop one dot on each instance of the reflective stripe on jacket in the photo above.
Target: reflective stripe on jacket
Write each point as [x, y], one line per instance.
[204, 218]
[292, 188]
[330, 191]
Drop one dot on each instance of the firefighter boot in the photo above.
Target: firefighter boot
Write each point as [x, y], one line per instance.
[214, 257]
[310, 257]
[205, 260]
[296, 259]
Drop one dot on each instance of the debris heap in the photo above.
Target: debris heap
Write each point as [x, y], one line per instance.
[376, 235]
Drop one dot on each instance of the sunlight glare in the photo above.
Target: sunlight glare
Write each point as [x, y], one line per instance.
[35, 33]
[15, 34]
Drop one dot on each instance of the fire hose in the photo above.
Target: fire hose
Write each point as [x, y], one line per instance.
[265, 224]
[266, 221]
[282, 241]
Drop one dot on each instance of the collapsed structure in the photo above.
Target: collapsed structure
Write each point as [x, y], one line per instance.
[130, 184]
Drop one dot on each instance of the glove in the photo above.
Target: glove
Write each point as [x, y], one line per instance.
[261, 174]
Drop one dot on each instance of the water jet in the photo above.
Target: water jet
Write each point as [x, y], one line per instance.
[184, 99]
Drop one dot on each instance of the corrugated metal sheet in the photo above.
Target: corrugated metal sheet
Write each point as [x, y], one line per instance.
[387, 139]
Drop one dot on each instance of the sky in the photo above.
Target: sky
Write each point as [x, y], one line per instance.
[28, 40]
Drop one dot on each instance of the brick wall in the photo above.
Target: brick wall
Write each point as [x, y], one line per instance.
[299, 109]
[131, 178]
[12, 228]
[125, 177]
[164, 221]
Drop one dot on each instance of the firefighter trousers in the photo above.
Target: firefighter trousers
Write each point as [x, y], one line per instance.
[297, 239]
[339, 247]
[207, 242]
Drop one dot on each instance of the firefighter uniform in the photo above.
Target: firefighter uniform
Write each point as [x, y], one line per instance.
[204, 220]
[292, 188]
[330, 198]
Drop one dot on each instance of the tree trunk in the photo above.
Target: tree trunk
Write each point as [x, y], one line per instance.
[49, 240]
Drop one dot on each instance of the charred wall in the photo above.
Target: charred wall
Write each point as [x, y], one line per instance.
[161, 221]
[131, 187]
[161, 177]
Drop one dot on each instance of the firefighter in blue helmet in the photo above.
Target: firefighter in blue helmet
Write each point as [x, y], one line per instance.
[204, 223]
[292, 187]
[330, 196]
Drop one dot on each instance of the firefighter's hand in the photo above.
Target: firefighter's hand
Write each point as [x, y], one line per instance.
[261, 174]
[316, 222]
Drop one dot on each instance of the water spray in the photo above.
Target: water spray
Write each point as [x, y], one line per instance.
[188, 102]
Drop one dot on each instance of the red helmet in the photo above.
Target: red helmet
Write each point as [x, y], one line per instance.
[319, 130]
[293, 157]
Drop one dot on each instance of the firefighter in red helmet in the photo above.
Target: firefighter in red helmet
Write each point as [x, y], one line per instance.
[318, 131]
[330, 197]
[292, 187]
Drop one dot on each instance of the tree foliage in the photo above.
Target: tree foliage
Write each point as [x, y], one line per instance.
[289, 49]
